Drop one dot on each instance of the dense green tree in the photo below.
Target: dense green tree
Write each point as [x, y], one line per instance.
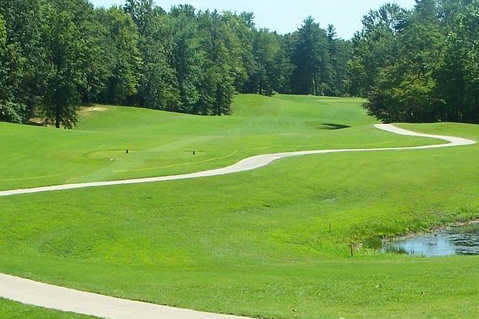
[142, 12]
[8, 112]
[244, 31]
[158, 87]
[283, 66]
[458, 76]
[375, 47]
[237, 39]
[309, 52]
[58, 54]
[403, 90]
[219, 64]
[69, 56]
[435, 76]
[266, 46]
[21, 65]
[122, 57]
[448, 9]
[339, 52]
[187, 57]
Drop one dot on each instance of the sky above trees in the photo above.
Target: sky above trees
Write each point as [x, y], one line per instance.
[286, 16]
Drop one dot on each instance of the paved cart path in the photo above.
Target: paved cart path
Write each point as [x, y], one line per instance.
[54, 297]
[70, 300]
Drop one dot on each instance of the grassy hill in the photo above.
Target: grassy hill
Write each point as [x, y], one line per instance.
[270, 243]
[162, 143]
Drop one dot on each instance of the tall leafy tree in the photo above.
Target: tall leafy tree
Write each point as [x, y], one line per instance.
[266, 46]
[283, 66]
[142, 12]
[122, 57]
[458, 77]
[8, 112]
[240, 35]
[69, 59]
[434, 76]
[187, 57]
[219, 64]
[21, 64]
[158, 87]
[245, 29]
[376, 46]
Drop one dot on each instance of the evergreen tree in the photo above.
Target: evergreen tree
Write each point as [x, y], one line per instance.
[310, 58]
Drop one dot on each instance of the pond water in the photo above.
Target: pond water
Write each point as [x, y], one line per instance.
[461, 240]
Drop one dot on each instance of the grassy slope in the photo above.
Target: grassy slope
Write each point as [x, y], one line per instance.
[258, 243]
[13, 310]
[161, 143]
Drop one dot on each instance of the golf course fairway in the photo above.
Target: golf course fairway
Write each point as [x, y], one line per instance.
[274, 242]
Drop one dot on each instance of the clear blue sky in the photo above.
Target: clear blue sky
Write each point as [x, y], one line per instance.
[285, 15]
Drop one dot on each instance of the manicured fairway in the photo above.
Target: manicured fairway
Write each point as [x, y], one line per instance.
[270, 243]
[161, 143]
[13, 310]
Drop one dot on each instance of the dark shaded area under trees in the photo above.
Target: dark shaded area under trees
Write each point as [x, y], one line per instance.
[419, 65]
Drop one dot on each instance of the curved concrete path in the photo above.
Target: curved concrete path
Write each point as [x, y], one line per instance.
[252, 163]
[69, 300]
[85, 303]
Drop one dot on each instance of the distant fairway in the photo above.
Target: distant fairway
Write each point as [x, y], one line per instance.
[269, 243]
[162, 143]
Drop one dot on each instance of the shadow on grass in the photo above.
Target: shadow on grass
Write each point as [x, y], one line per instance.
[332, 126]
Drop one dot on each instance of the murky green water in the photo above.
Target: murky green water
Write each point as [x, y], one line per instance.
[463, 240]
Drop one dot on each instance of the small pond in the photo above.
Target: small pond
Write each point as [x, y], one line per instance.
[458, 240]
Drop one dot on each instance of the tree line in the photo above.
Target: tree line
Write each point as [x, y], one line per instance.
[418, 65]
[58, 54]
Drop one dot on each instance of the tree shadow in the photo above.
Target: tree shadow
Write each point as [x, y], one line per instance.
[332, 126]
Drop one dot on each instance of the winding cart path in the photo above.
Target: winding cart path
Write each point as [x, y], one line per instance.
[252, 163]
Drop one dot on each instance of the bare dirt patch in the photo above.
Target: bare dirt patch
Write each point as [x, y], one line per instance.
[83, 111]
[86, 110]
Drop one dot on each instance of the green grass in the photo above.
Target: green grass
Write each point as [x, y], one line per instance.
[161, 143]
[259, 243]
[13, 310]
